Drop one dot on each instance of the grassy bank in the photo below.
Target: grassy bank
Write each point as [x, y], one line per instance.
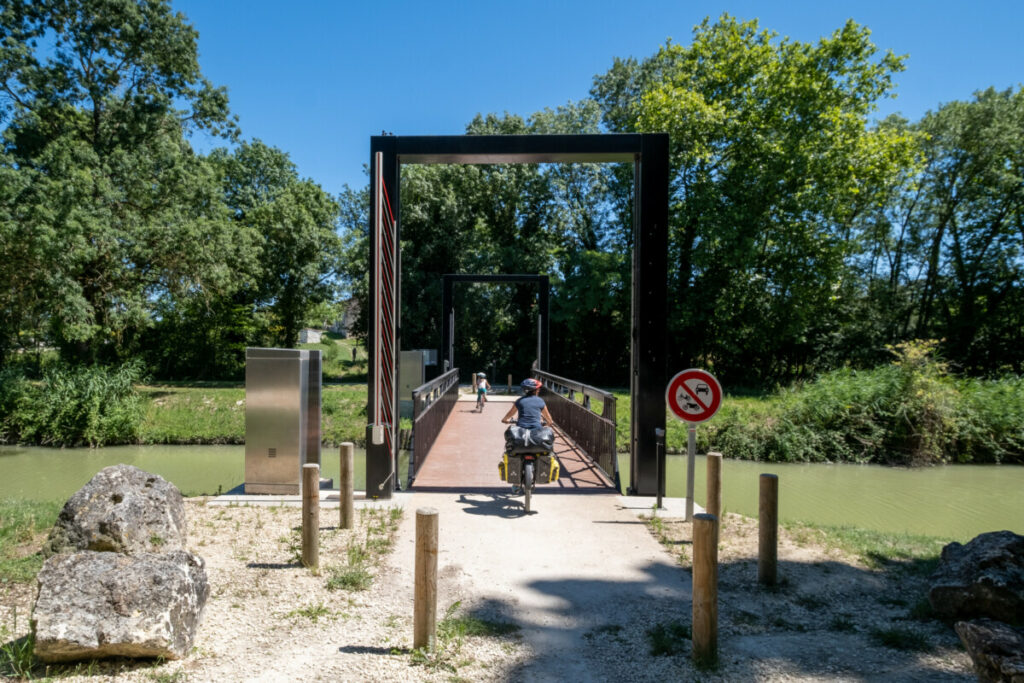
[216, 414]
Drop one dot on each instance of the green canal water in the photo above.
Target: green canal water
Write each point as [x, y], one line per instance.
[54, 474]
[957, 502]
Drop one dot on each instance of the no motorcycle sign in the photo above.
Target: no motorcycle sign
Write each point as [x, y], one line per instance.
[694, 395]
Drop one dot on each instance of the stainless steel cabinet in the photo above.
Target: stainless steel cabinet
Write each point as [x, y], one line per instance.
[282, 417]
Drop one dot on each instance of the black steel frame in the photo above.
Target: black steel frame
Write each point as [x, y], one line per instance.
[447, 350]
[649, 153]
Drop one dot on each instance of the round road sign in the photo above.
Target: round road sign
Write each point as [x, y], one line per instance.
[694, 395]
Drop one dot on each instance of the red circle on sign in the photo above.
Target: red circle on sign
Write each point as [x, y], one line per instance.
[694, 395]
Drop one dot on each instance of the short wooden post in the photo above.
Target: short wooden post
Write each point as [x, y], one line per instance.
[345, 484]
[425, 599]
[311, 515]
[714, 465]
[705, 588]
[768, 530]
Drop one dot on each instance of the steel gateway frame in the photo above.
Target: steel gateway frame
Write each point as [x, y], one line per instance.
[649, 153]
[447, 351]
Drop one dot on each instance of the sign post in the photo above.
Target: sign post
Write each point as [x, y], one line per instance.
[693, 396]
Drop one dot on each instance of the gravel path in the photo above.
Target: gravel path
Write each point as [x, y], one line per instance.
[581, 581]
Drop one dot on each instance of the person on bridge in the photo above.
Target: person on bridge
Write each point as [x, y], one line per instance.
[482, 387]
[533, 412]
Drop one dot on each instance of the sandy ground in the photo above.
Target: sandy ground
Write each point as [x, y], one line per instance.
[584, 584]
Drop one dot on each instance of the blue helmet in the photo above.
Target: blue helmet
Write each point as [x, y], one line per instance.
[530, 384]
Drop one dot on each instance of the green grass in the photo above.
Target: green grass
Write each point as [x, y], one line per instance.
[900, 639]
[216, 414]
[452, 631]
[20, 523]
[336, 359]
[365, 552]
[312, 612]
[878, 549]
[669, 638]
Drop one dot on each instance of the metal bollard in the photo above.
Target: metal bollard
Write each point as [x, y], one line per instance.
[345, 479]
[311, 515]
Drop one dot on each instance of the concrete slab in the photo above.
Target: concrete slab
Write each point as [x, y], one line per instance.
[643, 506]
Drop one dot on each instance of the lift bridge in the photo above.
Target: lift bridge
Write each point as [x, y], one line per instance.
[457, 448]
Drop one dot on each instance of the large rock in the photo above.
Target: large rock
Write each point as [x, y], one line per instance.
[996, 649]
[123, 510]
[984, 578]
[93, 605]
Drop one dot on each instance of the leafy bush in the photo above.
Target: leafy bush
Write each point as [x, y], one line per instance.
[911, 412]
[72, 406]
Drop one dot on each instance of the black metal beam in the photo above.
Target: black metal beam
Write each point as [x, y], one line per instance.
[517, 149]
[650, 310]
[447, 350]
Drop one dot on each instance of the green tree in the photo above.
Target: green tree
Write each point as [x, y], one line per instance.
[110, 209]
[294, 223]
[971, 231]
[772, 162]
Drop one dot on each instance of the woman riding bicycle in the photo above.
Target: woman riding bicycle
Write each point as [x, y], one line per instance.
[533, 412]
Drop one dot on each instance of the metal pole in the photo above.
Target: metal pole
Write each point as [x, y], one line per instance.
[659, 444]
[346, 471]
[311, 515]
[691, 459]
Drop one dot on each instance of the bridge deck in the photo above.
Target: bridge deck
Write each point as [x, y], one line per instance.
[466, 454]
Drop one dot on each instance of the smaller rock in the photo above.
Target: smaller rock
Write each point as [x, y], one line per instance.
[996, 649]
[93, 605]
[124, 510]
[982, 579]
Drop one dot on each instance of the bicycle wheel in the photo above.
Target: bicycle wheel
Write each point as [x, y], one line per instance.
[527, 484]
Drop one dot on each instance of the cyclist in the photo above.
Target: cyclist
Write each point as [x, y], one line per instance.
[482, 387]
[532, 413]
[532, 410]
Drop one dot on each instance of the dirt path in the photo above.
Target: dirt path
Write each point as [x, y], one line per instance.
[578, 567]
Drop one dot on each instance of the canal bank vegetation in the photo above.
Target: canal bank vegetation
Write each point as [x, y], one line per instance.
[913, 411]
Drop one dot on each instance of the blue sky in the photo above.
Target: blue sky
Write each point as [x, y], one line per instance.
[317, 79]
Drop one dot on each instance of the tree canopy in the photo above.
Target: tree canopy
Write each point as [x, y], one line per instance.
[803, 235]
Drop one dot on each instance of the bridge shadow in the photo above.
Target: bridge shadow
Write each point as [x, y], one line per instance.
[823, 621]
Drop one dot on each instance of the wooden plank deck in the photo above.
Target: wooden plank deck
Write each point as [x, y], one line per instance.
[466, 454]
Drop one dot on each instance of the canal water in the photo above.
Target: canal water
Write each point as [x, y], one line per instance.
[956, 502]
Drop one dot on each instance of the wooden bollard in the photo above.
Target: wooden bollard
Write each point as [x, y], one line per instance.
[425, 600]
[714, 467]
[345, 484]
[705, 588]
[768, 530]
[311, 515]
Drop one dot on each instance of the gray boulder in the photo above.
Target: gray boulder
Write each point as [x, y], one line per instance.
[984, 578]
[123, 510]
[96, 604]
[996, 649]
